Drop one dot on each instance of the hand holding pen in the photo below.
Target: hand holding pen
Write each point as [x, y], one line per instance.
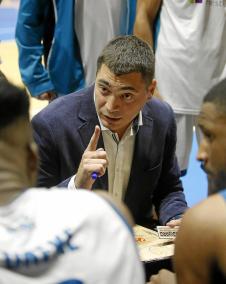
[93, 163]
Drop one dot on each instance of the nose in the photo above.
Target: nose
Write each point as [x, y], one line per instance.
[113, 104]
[202, 154]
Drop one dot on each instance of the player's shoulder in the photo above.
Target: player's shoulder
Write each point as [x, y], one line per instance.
[59, 194]
[207, 217]
[78, 202]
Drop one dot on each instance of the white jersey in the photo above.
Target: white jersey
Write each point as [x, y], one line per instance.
[191, 51]
[59, 236]
[96, 23]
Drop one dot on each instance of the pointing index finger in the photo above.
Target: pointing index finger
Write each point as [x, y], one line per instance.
[92, 146]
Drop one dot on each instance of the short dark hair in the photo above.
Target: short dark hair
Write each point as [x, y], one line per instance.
[14, 103]
[127, 54]
[217, 96]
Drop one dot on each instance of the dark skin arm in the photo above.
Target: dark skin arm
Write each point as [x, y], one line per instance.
[145, 16]
[204, 233]
[201, 241]
[146, 13]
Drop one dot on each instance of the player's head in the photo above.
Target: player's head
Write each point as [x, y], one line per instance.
[212, 150]
[18, 154]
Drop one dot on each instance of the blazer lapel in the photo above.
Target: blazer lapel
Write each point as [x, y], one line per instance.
[89, 120]
[141, 158]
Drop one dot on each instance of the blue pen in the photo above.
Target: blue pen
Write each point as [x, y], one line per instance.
[94, 175]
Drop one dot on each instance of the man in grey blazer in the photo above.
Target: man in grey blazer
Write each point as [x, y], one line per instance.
[115, 136]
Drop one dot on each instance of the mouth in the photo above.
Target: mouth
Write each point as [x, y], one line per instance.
[204, 168]
[110, 118]
[209, 173]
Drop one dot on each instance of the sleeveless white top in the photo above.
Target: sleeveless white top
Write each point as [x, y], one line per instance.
[191, 51]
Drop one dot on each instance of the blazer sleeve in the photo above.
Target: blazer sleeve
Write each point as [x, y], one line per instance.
[169, 199]
[49, 165]
[29, 36]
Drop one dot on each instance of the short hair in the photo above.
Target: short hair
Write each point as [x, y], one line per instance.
[127, 54]
[217, 96]
[14, 103]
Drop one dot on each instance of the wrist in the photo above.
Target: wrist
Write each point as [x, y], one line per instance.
[83, 184]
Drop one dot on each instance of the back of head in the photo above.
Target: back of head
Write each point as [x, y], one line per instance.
[14, 103]
[217, 96]
[18, 159]
[127, 54]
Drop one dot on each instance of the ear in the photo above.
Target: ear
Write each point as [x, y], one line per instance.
[151, 89]
[32, 158]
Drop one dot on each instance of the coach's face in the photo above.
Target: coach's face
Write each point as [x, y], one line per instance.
[119, 99]
[212, 149]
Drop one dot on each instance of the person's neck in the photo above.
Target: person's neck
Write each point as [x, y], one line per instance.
[13, 172]
[11, 186]
[122, 132]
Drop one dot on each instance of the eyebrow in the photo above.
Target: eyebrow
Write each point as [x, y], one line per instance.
[102, 81]
[124, 88]
[129, 88]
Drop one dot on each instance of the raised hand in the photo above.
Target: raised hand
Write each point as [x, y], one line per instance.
[174, 223]
[163, 277]
[93, 160]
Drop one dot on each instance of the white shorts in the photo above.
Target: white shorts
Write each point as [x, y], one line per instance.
[186, 125]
